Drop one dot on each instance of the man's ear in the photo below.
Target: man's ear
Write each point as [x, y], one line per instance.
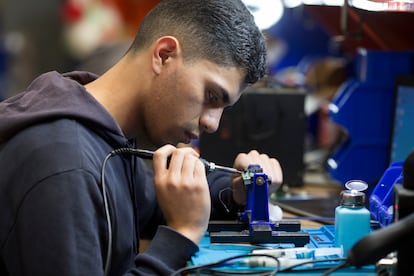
[165, 49]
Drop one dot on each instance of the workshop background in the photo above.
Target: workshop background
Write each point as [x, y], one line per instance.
[326, 109]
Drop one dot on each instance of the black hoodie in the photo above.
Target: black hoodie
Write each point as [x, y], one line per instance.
[53, 139]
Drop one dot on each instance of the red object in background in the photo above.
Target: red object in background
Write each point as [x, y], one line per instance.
[388, 31]
[71, 12]
[132, 12]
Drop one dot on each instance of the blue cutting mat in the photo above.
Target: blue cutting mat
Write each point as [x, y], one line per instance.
[319, 237]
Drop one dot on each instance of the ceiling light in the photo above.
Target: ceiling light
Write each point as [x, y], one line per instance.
[266, 12]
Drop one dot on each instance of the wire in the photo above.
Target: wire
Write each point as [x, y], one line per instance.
[218, 267]
[141, 153]
[208, 268]
[107, 214]
[335, 268]
[220, 195]
[235, 272]
[138, 152]
[292, 267]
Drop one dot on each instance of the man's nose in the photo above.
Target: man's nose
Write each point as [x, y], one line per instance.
[210, 119]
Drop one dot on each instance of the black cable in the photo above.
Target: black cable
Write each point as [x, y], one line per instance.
[222, 272]
[292, 267]
[220, 195]
[213, 268]
[107, 214]
[208, 267]
[141, 153]
[335, 268]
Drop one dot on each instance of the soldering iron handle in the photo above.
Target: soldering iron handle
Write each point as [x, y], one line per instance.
[147, 154]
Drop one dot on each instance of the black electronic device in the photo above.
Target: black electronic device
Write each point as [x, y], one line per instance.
[269, 120]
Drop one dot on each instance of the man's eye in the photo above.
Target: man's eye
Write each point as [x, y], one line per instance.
[212, 98]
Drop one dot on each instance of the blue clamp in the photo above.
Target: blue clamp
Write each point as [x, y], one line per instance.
[254, 225]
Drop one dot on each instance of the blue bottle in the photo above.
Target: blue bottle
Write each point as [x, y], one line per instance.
[352, 219]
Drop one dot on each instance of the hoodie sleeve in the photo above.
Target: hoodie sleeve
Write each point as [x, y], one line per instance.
[222, 203]
[167, 252]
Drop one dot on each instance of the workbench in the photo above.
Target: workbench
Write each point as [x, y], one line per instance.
[320, 228]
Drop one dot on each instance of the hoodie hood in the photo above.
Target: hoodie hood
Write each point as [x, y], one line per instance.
[53, 96]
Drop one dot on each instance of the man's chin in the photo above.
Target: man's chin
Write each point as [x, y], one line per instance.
[163, 143]
[174, 142]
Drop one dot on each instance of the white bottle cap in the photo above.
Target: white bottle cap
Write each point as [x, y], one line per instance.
[354, 197]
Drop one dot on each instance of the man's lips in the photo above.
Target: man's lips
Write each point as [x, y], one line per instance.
[191, 136]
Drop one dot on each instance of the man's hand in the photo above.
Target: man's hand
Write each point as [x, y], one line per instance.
[182, 190]
[269, 165]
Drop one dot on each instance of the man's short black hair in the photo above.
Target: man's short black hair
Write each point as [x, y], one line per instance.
[221, 31]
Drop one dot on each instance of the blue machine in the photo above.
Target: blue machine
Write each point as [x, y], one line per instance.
[364, 106]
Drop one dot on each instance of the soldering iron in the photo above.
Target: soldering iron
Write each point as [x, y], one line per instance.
[148, 154]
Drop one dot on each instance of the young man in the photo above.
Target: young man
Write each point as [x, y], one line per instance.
[62, 212]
